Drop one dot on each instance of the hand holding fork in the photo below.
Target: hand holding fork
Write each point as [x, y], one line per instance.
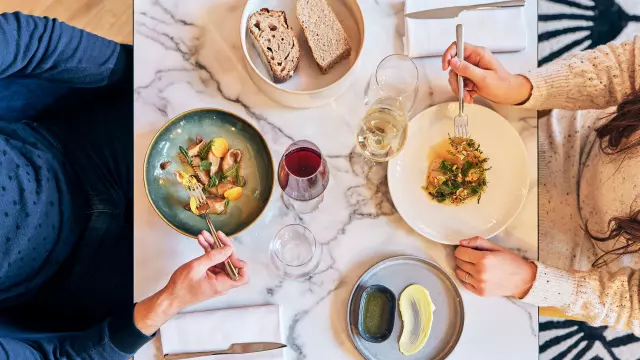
[195, 192]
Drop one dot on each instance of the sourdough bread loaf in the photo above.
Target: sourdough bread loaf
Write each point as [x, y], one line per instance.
[276, 43]
[326, 37]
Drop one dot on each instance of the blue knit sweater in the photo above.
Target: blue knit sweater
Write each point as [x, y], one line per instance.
[39, 59]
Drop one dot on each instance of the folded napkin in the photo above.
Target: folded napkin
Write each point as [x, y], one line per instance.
[499, 30]
[217, 329]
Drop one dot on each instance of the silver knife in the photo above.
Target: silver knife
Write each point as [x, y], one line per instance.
[243, 348]
[454, 11]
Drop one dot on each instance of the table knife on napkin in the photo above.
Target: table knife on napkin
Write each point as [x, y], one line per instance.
[454, 11]
[234, 349]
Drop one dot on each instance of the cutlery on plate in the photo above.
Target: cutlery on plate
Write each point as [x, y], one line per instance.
[243, 348]
[453, 11]
[460, 122]
[194, 189]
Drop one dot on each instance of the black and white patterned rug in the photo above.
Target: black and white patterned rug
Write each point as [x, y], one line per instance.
[565, 26]
[574, 25]
[569, 339]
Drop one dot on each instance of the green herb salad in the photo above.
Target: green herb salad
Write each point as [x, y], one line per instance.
[459, 175]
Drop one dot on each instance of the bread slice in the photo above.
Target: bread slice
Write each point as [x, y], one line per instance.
[276, 43]
[326, 37]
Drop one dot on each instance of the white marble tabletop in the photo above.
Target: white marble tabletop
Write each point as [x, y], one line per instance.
[188, 55]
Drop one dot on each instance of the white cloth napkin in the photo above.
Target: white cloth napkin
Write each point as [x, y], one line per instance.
[499, 30]
[217, 329]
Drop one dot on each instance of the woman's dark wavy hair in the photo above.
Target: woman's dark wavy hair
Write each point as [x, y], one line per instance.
[616, 137]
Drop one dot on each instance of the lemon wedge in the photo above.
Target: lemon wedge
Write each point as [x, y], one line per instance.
[416, 310]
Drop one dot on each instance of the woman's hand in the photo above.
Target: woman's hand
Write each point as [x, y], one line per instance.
[198, 280]
[484, 76]
[493, 270]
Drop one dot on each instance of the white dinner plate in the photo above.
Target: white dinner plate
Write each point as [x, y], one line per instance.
[508, 179]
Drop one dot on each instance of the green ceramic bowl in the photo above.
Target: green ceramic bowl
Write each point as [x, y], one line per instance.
[167, 195]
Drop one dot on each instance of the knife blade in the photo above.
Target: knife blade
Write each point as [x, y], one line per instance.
[453, 11]
[245, 348]
[242, 348]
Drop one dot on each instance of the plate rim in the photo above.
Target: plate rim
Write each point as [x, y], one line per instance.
[174, 119]
[526, 191]
[400, 258]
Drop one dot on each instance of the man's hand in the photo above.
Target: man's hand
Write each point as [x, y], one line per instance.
[493, 270]
[485, 76]
[198, 280]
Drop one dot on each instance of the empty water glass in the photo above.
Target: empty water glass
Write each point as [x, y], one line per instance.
[294, 252]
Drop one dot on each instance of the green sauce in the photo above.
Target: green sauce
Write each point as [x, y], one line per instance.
[376, 313]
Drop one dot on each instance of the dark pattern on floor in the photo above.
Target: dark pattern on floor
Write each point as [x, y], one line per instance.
[606, 20]
[570, 339]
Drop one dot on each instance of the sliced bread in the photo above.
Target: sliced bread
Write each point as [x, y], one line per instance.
[326, 37]
[276, 43]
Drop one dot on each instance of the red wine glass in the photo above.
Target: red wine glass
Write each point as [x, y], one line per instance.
[303, 176]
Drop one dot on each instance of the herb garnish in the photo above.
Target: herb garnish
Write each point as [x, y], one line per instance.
[233, 170]
[204, 151]
[186, 155]
[205, 165]
[213, 181]
[461, 176]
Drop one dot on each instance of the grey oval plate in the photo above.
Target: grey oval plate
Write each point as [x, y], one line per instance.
[397, 273]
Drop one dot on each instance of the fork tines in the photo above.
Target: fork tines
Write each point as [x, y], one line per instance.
[197, 193]
[461, 131]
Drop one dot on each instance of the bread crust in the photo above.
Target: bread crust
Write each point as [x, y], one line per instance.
[343, 55]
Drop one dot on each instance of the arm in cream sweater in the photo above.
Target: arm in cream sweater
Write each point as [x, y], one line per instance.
[598, 296]
[594, 79]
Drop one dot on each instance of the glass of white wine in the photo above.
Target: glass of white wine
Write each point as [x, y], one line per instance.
[389, 96]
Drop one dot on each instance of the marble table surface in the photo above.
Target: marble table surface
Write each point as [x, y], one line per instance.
[188, 55]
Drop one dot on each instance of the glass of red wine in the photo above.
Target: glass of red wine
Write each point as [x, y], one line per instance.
[303, 176]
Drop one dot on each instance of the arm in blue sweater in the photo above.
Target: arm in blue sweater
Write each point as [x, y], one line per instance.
[42, 58]
[116, 339]
[48, 49]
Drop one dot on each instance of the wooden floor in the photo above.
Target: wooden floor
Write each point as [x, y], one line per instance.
[112, 19]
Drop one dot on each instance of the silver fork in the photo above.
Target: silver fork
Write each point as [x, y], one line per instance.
[460, 122]
[196, 192]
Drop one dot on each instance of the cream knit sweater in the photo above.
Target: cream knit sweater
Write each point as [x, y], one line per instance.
[578, 182]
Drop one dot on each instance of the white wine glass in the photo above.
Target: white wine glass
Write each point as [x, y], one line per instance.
[389, 96]
[395, 76]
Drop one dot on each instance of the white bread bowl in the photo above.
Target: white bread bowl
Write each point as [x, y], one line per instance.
[308, 87]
